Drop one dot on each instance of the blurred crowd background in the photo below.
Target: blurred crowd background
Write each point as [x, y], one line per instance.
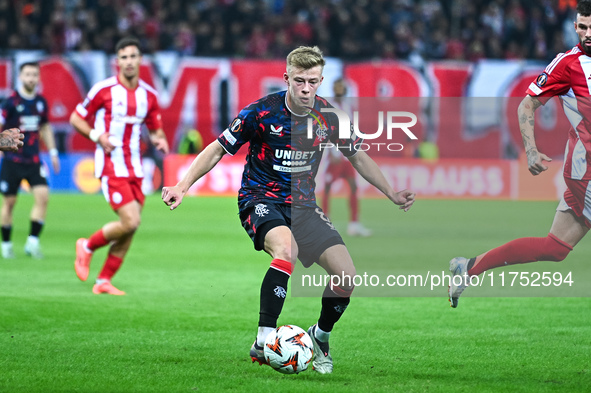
[348, 29]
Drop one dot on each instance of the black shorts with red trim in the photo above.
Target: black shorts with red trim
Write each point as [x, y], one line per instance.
[311, 229]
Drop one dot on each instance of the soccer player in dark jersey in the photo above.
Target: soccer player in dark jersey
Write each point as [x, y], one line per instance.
[27, 110]
[277, 198]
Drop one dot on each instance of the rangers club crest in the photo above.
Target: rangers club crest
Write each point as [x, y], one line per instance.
[321, 133]
[261, 210]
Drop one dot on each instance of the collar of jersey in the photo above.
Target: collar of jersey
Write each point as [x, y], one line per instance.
[125, 87]
[289, 109]
[26, 96]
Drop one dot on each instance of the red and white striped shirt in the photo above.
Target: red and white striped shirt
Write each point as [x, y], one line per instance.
[569, 76]
[120, 112]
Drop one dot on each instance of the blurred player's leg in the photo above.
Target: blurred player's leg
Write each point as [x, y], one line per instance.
[355, 228]
[38, 212]
[566, 231]
[121, 233]
[326, 197]
[7, 207]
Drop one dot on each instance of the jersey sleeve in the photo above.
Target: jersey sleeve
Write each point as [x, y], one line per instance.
[4, 108]
[154, 118]
[554, 81]
[91, 104]
[44, 115]
[240, 131]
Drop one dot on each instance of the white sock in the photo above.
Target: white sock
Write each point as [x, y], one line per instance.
[100, 281]
[321, 335]
[262, 334]
[33, 240]
[86, 247]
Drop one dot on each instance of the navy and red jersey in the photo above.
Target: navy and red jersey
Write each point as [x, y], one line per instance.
[285, 149]
[29, 116]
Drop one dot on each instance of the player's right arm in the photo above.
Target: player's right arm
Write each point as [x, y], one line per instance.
[203, 163]
[555, 80]
[86, 130]
[525, 112]
[10, 139]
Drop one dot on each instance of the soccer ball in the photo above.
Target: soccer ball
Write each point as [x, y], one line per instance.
[289, 349]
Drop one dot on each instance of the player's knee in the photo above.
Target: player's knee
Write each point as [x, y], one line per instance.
[285, 249]
[9, 203]
[131, 224]
[555, 250]
[344, 283]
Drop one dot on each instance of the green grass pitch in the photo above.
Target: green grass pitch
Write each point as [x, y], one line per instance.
[189, 317]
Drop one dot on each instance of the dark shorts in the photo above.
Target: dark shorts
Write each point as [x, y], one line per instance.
[311, 229]
[12, 173]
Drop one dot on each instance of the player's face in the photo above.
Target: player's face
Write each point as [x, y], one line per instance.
[128, 60]
[301, 87]
[339, 88]
[583, 28]
[29, 77]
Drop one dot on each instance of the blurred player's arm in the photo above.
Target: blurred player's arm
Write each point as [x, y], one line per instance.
[371, 172]
[203, 163]
[87, 131]
[525, 112]
[11, 139]
[46, 133]
[158, 139]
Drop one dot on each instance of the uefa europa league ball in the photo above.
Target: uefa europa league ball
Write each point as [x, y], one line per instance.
[289, 349]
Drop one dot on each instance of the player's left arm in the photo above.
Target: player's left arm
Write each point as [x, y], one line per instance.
[371, 172]
[46, 133]
[158, 139]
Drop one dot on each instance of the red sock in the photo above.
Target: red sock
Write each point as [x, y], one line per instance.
[282, 265]
[524, 250]
[354, 206]
[112, 264]
[97, 240]
[325, 203]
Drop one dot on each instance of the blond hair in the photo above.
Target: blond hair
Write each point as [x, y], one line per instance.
[305, 57]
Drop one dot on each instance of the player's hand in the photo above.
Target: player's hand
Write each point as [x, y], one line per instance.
[404, 199]
[11, 139]
[172, 196]
[103, 140]
[161, 144]
[535, 161]
[55, 163]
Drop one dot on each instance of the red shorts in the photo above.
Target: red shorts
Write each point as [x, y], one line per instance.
[577, 198]
[120, 191]
[342, 169]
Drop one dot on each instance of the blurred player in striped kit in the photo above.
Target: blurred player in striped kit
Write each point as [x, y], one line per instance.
[119, 105]
[340, 168]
